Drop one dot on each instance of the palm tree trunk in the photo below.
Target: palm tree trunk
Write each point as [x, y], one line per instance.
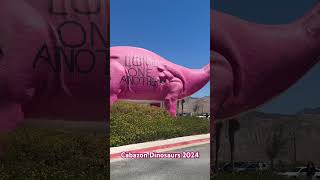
[217, 138]
[232, 128]
[272, 164]
[182, 102]
[231, 142]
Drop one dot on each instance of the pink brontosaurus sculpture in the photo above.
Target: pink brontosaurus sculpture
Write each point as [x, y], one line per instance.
[53, 58]
[138, 74]
[253, 63]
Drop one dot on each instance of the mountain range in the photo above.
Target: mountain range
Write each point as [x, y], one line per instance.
[195, 105]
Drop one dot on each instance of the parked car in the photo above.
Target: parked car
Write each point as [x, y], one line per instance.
[185, 114]
[204, 115]
[253, 167]
[299, 172]
[228, 167]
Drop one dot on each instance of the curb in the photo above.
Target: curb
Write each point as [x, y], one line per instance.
[159, 146]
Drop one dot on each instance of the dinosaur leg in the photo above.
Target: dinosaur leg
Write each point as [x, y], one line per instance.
[117, 72]
[113, 98]
[223, 84]
[115, 90]
[10, 116]
[221, 90]
[171, 104]
[175, 88]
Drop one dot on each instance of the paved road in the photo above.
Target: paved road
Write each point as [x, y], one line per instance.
[164, 169]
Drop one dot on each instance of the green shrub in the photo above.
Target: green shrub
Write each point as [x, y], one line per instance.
[135, 123]
[38, 153]
[53, 154]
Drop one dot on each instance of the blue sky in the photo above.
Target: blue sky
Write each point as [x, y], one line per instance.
[176, 30]
[305, 93]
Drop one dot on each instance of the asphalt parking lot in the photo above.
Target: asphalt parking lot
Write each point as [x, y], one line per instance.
[165, 169]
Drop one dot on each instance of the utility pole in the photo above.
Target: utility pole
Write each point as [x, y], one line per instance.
[294, 148]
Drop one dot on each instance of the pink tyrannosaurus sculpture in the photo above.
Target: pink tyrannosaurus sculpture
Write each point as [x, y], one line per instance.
[53, 58]
[138, 74]
[253, 63]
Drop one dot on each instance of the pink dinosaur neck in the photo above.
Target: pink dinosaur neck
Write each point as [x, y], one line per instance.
[311, 24]
[196, 78]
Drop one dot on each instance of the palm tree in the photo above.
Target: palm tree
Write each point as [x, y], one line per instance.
[178, 108]
[275, 142]
[196, 107]
[233, 127]
[218, 128]
[182, 102]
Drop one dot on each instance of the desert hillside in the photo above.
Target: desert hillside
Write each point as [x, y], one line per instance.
[195, 105]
